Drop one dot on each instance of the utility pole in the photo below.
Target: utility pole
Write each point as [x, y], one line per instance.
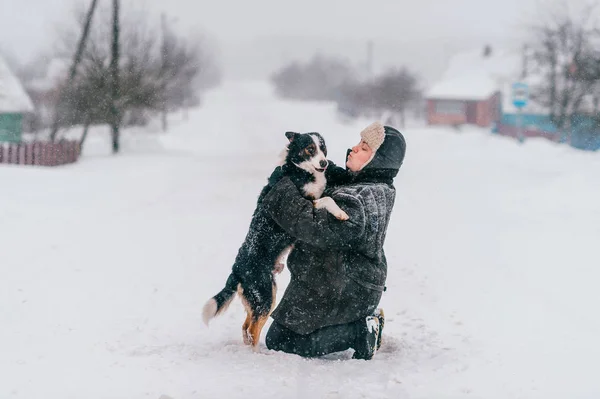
[524, 66]
[115, 88]
[165, 58]
[369, 63]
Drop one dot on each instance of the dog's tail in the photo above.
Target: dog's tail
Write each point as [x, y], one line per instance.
[220, 302]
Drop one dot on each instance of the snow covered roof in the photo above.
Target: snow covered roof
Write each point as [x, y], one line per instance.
[13, 97]
[471, 76]
[474, 87]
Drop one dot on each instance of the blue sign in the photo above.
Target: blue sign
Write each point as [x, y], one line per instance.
[520, 94]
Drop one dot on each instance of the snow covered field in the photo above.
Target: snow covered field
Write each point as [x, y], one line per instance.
[105, 265]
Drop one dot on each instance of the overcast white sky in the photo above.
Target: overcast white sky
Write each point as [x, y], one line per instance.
[256, 36]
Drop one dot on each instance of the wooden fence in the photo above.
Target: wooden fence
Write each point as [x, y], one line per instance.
[40, 153]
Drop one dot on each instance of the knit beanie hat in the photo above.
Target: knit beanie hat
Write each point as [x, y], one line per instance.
[373, 135]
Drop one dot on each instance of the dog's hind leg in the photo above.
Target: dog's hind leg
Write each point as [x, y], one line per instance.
[249, 317]
[245, 328]
[255, 329]
[258, 323]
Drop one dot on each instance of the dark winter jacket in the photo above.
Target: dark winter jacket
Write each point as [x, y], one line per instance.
[338, 268]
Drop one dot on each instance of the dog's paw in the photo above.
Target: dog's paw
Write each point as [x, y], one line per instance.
[247, 337]
[341, 215]
[323, 202]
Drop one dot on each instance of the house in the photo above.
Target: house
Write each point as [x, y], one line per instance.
[14, 104]
[477, 89]
[470, 90]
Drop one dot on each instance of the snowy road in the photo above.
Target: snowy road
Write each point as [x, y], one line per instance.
[105, 265]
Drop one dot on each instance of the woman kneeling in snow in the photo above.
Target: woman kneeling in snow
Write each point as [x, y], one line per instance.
[338, 268]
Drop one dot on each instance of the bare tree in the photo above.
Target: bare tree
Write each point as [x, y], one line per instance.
[73, 71]
[319, 79]
[187, 67]
[396, 91]
[124, 76]
[559, 46]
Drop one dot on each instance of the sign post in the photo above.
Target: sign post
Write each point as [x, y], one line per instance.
[520, 97]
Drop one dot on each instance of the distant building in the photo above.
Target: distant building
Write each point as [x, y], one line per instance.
[14, 104]
[476, 89]
[471, 89]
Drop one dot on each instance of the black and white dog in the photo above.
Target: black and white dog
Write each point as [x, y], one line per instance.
[259, 258]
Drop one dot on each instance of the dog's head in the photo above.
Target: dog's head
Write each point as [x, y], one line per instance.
[307, 151]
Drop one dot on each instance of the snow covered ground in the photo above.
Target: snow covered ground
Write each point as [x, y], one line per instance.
[105, 265]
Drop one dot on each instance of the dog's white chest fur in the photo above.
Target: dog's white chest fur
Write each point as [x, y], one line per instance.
[315, 189]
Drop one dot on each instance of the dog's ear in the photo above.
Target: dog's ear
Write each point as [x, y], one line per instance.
[291, 135]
